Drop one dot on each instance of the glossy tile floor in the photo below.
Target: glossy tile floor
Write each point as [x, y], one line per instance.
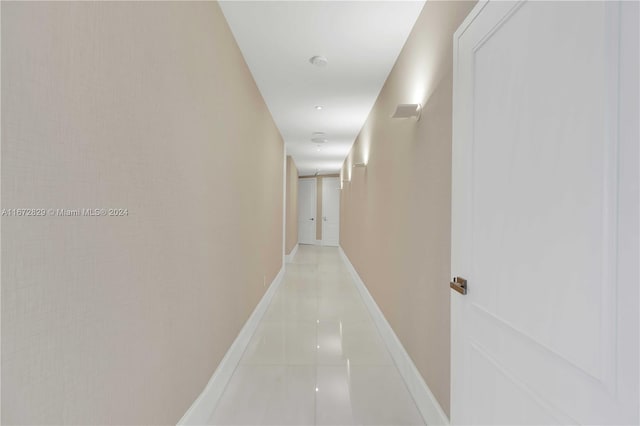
[316, 357]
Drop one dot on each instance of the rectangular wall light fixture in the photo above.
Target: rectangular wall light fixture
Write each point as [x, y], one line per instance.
[407, 111]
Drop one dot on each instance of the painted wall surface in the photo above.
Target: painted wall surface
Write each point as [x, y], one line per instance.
[148, 107]
[292, 206]
[396, 212]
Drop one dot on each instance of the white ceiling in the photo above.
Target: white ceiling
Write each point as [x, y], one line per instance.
[360, 39]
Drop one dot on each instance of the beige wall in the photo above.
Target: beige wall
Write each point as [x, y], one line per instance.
[147, 106]
[395, 213]
[291, 237]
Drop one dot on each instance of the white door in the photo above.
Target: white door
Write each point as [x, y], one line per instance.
[330, 211]
[307, 211]
[545, 214]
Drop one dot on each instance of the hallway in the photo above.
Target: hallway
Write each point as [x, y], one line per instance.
[320, 213]
[316, 357]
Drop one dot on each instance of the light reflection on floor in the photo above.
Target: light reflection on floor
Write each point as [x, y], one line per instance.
[316, 357]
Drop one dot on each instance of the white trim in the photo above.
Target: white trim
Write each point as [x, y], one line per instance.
[201, 410]
[289, 257]
[318, 242]
[426, 402]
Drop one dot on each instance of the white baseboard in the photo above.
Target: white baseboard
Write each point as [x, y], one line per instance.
[201, 410]
[289, 257]
[426, 402]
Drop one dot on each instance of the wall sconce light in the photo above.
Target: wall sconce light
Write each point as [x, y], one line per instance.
[407, 111]
[359, 165]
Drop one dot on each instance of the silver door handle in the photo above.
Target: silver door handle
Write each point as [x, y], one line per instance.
[324, 218]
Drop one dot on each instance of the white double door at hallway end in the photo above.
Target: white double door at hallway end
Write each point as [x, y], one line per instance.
[328, 224]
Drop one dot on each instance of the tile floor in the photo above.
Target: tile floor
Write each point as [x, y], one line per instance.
[316, 357]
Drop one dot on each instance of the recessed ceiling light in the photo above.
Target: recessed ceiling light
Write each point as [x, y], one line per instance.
[319, 61]
[318, 149]
[318, 107]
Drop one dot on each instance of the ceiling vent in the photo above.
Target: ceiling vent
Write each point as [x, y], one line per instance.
[318, 137]
[319, 61]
